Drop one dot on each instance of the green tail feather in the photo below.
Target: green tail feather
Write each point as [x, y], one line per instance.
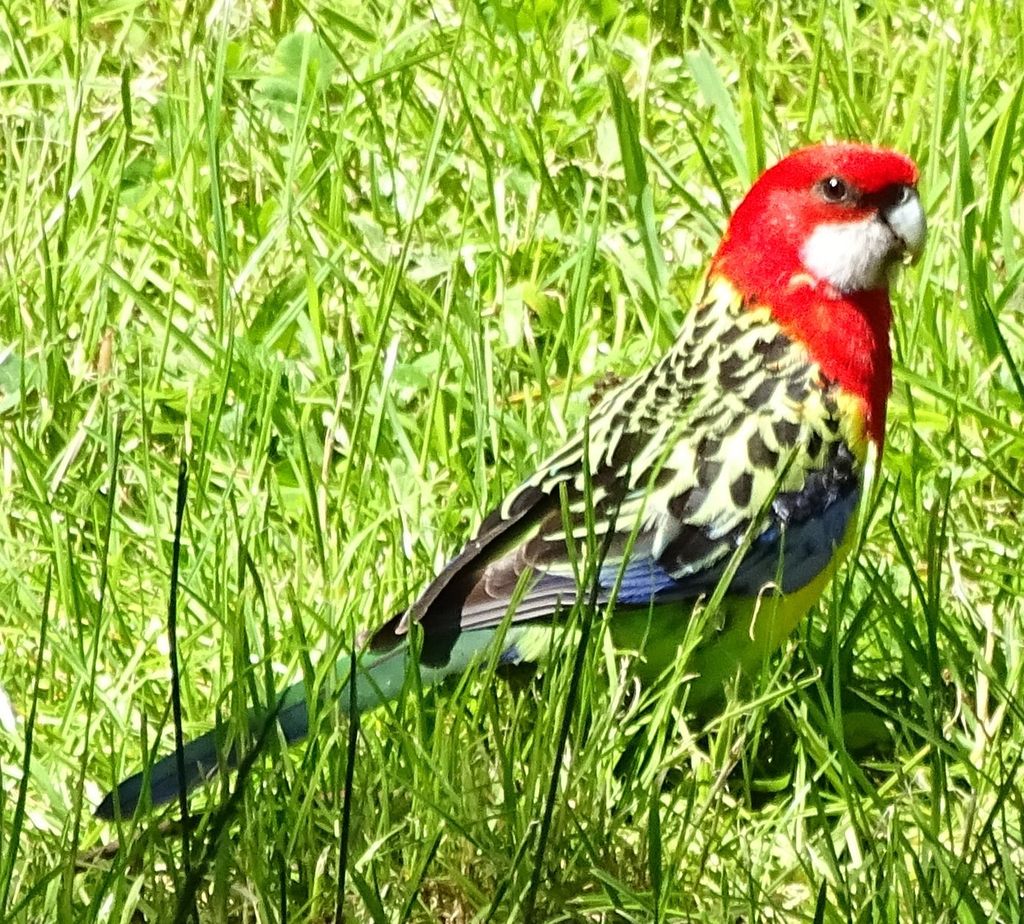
[379, 679]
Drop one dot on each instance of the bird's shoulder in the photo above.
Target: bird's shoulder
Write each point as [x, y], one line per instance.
[711, 425]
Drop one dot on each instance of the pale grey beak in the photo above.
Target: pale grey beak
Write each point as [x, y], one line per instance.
[906, 218]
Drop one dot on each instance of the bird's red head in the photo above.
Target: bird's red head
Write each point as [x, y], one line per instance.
[815, 240]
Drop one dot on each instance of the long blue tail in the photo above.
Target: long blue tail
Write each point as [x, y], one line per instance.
[379, 678]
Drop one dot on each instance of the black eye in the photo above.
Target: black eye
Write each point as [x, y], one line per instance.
[834, 189]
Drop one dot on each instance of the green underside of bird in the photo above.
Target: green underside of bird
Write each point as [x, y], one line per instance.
[651, 637]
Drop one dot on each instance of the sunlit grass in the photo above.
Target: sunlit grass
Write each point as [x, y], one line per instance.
[361, 265]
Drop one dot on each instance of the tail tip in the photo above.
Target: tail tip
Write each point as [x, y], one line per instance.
[106, 809]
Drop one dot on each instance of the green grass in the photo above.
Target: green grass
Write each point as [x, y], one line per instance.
[360, 265]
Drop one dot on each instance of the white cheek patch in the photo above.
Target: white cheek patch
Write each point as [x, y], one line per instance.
[852, 257]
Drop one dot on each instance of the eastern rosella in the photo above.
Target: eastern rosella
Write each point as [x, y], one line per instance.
[735, 464]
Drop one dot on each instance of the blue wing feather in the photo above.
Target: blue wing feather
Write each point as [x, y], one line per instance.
[793, 549]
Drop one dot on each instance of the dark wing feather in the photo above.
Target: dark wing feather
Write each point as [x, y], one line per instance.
[440, 606]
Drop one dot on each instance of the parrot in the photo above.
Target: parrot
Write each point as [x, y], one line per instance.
[731, 470]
